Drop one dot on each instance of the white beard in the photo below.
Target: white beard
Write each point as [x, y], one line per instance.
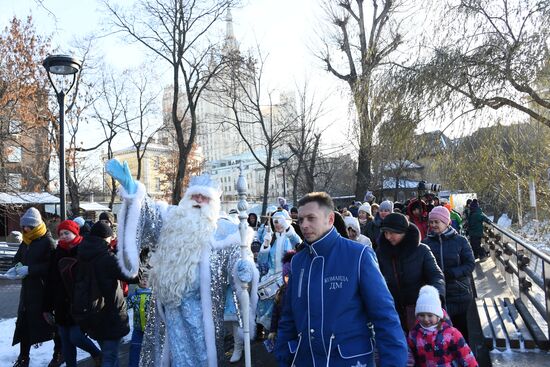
[186, 231]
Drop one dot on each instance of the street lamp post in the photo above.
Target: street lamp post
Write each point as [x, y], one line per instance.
[61, 65]
[283, 161]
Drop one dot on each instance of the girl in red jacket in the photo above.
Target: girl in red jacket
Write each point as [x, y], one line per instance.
[433, 341]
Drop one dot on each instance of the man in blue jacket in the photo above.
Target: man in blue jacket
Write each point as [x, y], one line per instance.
[336, 300]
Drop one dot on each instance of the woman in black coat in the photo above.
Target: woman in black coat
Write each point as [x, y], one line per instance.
[32, 262]
[111, 324]
[407, 265]
[455, 257]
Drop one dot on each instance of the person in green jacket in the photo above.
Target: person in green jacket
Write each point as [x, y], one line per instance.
[476, 217]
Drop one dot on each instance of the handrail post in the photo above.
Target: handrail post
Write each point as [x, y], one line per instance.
[546, 278]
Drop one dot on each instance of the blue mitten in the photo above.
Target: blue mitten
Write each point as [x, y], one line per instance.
[11, 273]
[121, 173]
[245, 270]
[22, 271]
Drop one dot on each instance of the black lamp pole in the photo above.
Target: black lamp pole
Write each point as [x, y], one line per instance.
[61, 65]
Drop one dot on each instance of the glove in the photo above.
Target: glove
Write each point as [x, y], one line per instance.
[284, 223]
[22, 271]
[267, 237]
[48, 316]
[121, 173]
[11, 274]
[245, 270]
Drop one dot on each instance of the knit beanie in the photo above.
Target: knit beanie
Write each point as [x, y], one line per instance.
[440, 213]
[69, 225]
[386, 206]
[395, 222]
[107, 216]
[365, 208]
[80, 221]
[428, 301]
[31, 218]
[474, 204]
[101, 230]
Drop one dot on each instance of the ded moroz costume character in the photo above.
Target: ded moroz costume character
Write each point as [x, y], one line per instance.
[195, 256]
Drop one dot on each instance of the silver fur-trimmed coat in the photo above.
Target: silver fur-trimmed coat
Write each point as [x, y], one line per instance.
[139, 225]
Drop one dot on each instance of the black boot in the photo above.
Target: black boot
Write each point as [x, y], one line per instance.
[57, 360]
[22, 362]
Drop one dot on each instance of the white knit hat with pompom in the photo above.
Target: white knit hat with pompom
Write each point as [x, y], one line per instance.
[428, 301]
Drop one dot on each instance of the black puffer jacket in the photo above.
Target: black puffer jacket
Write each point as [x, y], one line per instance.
[56, 298]
[29, 314]
[454, 256]
[407, 267]
[113, 321]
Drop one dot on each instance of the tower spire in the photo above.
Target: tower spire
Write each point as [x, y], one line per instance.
[230, 40]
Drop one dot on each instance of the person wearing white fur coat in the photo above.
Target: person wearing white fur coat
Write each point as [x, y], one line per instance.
[195, 255]
[270, 258]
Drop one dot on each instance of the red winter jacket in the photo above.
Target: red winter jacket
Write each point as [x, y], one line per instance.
[422, 221]
[444, 347]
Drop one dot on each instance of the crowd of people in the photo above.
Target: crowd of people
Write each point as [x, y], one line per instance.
[372, 283]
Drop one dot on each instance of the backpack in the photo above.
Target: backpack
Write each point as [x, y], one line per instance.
[79, 277]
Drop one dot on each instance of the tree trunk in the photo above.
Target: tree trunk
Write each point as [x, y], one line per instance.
[266, 189]
[364, 160]
[139, 158]
[113, 193]
[73, 193]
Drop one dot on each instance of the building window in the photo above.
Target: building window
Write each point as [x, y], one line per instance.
[157, 185]
[15, 127]
[156, 163]
[14, 154]
[15, 181]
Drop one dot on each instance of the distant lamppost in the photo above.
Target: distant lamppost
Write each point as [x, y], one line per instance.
[61, 65]
[283, 161]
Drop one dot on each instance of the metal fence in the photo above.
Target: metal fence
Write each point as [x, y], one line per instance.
[7, 252]
[526, 270]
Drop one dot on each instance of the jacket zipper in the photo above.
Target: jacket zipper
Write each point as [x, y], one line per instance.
[300, 282]
[330, 348]
[441, 253]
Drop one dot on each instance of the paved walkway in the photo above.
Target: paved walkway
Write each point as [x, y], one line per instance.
[9, 298]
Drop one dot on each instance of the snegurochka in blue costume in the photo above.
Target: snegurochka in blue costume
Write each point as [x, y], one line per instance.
[195, 255]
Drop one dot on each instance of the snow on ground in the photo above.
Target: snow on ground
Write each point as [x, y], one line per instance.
[40, 356]
[536, 233]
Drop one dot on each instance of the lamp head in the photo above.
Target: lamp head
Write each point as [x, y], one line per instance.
[61, 65]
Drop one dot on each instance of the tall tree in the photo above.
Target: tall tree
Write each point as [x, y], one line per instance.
[365, 43]
[138, 112]
[487, 54]
[177, 32]
[242, 93]
[304, 142]
[24, 113]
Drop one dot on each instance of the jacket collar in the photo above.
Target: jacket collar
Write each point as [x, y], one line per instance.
[447, 234]
[323, 245]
